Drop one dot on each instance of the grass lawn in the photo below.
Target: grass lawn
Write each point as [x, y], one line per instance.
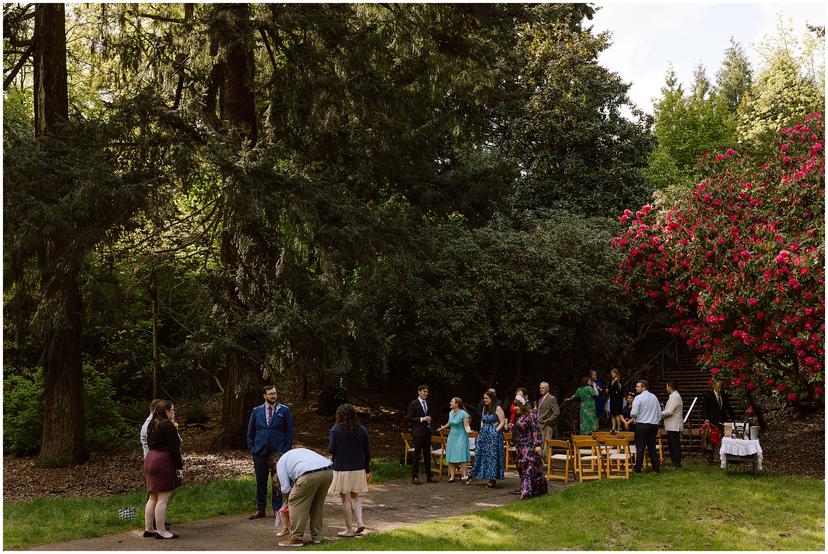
[696, 508]
[45, 520]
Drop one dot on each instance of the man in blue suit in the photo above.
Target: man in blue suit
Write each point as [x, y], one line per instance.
[270, 430]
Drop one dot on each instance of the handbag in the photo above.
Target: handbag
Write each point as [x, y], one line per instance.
[715, 438]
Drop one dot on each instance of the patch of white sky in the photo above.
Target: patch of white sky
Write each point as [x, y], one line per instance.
[648, 37]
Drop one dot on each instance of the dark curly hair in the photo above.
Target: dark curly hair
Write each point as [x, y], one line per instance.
[346, 417]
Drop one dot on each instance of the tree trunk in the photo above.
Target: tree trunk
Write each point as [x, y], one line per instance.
[232, 37]
[51, 96]
[64, 439]
[757, 411]
[152, 288]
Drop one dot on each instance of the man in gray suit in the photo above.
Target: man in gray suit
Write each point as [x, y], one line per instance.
[547, 412]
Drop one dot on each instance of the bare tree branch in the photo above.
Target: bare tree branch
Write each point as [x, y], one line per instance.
[16, 69]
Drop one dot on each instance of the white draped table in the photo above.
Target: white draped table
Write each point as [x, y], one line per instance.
[741, 448]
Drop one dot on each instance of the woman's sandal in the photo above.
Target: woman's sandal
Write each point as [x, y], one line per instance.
[160, 536]
[360, 530]
[451, 480]
[346, 533]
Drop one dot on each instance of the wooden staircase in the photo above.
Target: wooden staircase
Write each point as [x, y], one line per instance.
[692, 381]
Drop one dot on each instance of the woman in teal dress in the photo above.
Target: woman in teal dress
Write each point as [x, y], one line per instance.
[457, 443]
[586, 393]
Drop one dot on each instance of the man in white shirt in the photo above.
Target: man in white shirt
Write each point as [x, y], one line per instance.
[646, 412]
[306, 477]
[674, 422]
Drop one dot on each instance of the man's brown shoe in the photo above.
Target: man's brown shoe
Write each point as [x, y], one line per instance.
[431, 480]
[291, 542]
[257, 515]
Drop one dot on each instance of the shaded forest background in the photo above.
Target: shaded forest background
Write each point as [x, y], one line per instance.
[200, 199]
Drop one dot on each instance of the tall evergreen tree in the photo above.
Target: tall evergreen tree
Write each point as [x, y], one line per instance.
[64, 440]
[780, 97]
[734, 79]
[700, 89]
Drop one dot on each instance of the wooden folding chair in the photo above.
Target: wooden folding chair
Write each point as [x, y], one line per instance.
[580, 438]
[408, 449]
[587, 454]
[602, 436]
[629, 436]
[438, 454]
[617, 458]
[659, 450]
[511, 452]
[557, 451]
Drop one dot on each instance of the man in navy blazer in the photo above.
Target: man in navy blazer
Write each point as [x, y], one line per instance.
[269, 430]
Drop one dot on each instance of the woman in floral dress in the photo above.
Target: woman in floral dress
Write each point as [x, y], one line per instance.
[526, 437]
[489, 455]
[586, 393]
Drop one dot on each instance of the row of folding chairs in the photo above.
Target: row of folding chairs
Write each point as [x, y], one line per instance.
[601, 455]
[587, 457]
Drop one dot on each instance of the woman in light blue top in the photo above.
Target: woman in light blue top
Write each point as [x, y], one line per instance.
[457, 443]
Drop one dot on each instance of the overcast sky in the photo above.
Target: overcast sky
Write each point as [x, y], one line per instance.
[647, 37]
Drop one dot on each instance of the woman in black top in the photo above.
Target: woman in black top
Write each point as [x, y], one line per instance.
[351, 452]
[163, 468]
[616, 399]
[626, 413]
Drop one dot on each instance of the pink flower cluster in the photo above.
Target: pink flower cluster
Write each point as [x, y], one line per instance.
[738, 263]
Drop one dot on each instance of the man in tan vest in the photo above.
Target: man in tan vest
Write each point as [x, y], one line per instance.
[673, 415]
[547, 412]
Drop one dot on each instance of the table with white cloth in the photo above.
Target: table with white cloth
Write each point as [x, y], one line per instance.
[740, 450]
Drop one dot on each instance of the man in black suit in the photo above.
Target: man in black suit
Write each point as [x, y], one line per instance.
[717, 410]
[418, 416]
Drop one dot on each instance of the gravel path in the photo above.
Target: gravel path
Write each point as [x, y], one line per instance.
[386, 506]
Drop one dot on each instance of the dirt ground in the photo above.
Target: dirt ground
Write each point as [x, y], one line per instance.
[386, 506]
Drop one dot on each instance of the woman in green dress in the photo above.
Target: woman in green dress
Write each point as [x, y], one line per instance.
[586, 393]
[457, 443]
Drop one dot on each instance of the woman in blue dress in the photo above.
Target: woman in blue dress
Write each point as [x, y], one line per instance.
[489, 456]
[457, 442]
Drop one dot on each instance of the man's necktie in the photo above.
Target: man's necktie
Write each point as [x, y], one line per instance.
[269, 415]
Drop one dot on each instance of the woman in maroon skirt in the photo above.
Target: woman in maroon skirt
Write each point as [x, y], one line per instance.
[162, 468]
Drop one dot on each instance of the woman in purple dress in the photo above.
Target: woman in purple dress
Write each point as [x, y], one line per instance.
[526, 437]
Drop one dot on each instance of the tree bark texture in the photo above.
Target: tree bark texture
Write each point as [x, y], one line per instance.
[152, 288]
[232, 39]
[64, 439]
[51, 96]
[64, 433]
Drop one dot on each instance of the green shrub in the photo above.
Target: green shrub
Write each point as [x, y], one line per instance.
[196, 413]
[23, 413]
[134, 412]
[105, 427]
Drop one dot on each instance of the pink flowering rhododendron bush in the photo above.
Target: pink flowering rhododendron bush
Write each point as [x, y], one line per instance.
[738, 263]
